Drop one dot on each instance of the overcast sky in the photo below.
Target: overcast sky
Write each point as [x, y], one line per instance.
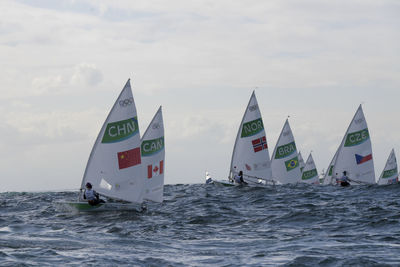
[63, 64]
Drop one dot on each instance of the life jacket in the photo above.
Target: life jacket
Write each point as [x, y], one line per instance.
[90, 195]
[237, 179]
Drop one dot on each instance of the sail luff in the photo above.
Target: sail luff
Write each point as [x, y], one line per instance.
[238, 134]
[278, 142]
[159, 110]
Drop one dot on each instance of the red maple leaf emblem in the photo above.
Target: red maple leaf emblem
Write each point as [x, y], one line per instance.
[155, 169]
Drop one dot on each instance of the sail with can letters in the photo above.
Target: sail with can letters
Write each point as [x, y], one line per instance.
[310, 173]
[115, 167]
[285, 160]
[389, 174]
[355, 153]
[153, 158]
[250, 152]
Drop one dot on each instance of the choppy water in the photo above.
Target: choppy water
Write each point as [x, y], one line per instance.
[207, 225]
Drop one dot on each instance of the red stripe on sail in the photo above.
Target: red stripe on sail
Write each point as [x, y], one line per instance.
[161, 167]
[149, 171]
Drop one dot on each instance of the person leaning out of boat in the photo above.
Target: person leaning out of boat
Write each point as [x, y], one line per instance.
[91, 195]
[239, 178]
[344, 180]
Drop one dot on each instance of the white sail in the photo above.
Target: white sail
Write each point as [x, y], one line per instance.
[285, 162]
[310, 173]
[250, 153]
[301, 161]
[153, 158]
[389, 174]
[329, 172]
[355, 152]
[114, 167]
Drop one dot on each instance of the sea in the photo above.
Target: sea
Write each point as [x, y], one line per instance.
[209, 225]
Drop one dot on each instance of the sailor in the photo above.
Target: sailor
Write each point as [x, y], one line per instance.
[208, 178]
[91, 195]
[239, 178]
[344, 180]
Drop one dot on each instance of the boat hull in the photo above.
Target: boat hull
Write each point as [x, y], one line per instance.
[224, 183]
[249, 183]
[86, 207]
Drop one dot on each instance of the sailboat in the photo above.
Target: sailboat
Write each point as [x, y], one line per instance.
[310, 173]
[153, 158]
[250, 152]
[301, 161]
[389, 174]
[327, 180]
[285, 160]
[209, 179]
[115, 167]
[355, 153]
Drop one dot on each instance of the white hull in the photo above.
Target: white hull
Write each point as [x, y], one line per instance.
[249, 183]
[224, 183]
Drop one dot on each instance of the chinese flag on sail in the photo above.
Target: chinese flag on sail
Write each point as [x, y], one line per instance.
[155, 169]
[129, 158]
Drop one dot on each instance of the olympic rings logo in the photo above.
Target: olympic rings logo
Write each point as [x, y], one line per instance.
[253, 108]
[126, 102]
[155, 126]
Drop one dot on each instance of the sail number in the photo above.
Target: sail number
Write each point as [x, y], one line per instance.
[252, 127]
[309, 174]
[357, 138]
[285, 150]
[150, 147]
[389, 173]
[120, 130]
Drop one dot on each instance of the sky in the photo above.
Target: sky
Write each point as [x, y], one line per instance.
[63, 63]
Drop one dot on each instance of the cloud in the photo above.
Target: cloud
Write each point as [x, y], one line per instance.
[44, 85]
[29, 130]
[86, 74]
[200, 59]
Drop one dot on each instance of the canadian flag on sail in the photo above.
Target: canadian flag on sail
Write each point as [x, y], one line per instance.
[155, 169]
